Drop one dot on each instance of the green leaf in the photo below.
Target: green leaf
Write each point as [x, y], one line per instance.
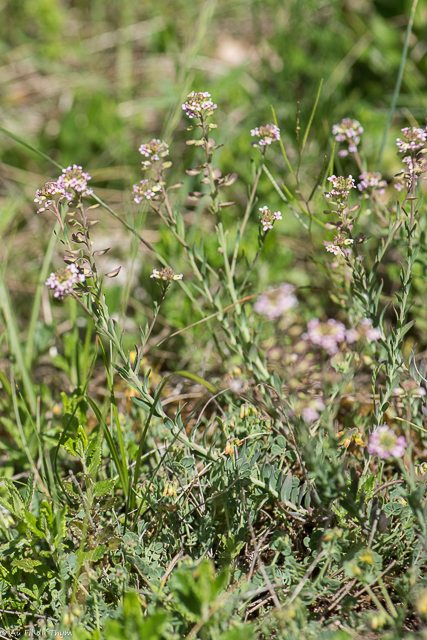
[26, 564]
[103, 487]
[30, 492]
[286, 489]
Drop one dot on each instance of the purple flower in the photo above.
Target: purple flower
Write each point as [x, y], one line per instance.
[339, 247]
[154, 151]
[267, 219]
[372, 181]
[62, 282]
[348, 131]
[145, 190]
[199, 104]
[327, 335]
[413, 139]
[44, 196]
[311, 412]
[267, 133]
[74, 178]
[385, 444]
[274, 304]
[340, 188]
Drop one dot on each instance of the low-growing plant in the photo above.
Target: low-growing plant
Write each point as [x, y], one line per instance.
[286, 499]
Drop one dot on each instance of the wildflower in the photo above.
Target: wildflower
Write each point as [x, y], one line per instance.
[62, 282]
[267, 219]
[372, 181]
[311, 412]
[348, 131]
[165, 274]
[368, 331]
[336, 247]
[73, 177]
[267, 133]
[44, 196]
[413, 139]
[154, 150]
[327, 335]
[385, 444]
[145, 190]
[274, 304]
[364, 330]
[199, 104]
[409, 176]
[340, 188]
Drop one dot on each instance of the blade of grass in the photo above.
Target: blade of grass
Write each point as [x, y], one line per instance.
[38, 297]
[111, 444]
[398, 83]
[15, 343]
[131, 497]
[113, 406]
[313, 111]
[281, 142]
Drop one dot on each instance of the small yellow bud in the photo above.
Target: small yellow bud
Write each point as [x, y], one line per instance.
[422, 603]
[367, 557]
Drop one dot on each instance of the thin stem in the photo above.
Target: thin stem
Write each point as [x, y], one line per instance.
[398, 83]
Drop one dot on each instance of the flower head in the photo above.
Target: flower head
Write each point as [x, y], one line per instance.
[327, 335]
[199, 104]
[62, 283]
[273, 304]
[145, 190]
[348, 131]
[371, 181]
[267, 218]
[310, 413]
[267, 134]
[340, 245]
[73, 177]
[154, 151]
[340, 188]
[44, 196]
[385, 444]
[413, 139]
[165, 274]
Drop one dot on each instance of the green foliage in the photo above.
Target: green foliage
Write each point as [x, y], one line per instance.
[179, 458]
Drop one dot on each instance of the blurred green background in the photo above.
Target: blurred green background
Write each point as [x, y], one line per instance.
[87, 81]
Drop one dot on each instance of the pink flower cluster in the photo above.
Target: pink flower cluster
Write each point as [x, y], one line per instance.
[267, 218]
[340, 245]
[62, 282]
[154, 150]
[267, 133]
[340, 187]
[385, 444]
[310, 413]
[372, 181]
[330, 334]
[273, 304]
[365, 331]
[348, 131]
[327, 335]
[72, 177]
[145, 190]
[199, 104]
[413, 139]
[44, 197]
[406, 177]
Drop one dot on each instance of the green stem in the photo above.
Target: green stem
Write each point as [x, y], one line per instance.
[398, 83]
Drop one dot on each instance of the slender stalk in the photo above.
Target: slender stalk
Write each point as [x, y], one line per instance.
[398, 83]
